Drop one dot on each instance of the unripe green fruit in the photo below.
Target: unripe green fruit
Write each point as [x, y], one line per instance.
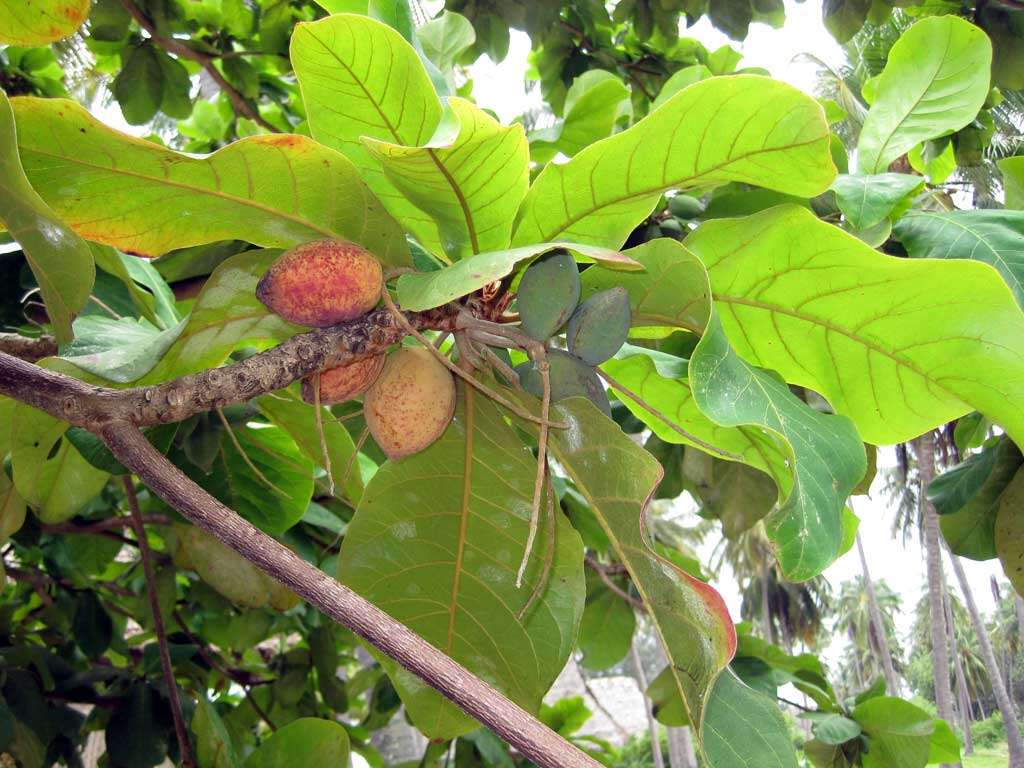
[672, 228]
[685, 206]
[219, 566]
[410, 404]
[548, 294]
[322, 283]
[340, 384]
[599, 327]
[569, 376]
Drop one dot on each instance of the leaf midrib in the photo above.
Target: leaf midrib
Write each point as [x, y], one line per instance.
[678, 184]
[247, 202]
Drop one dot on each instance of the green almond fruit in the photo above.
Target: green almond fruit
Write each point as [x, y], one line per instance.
[685, 206]
[599, 327]
[548, 294]
[570, 377]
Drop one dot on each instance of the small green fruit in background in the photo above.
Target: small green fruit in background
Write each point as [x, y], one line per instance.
[599, 326]
[570, 377]
[685, 206]
[548, 294]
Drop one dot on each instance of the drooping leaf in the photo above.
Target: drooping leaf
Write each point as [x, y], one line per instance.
[436, 542]
[48, 472]
[40, 21]
[899, 733]
[744, 727]
[866, 200]
[1012, 169]
[306, 741]
[935, 80]
[60, 260]
[139, 729]
[595, 102]
[617, 478]
[92, 626]
[898, 345]
[424, 290]
[836, 729]
[737, 494]
[360, 78]
[287, 410]
[214, 748]
[271, 190]
[995, 237]
[944, 746]
[742, 128]
[827, 454]
[445, 38]
[118, 350]
[469, 179]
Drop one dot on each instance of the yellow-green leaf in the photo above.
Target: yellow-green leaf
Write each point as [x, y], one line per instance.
[37, 22]
[275, 190]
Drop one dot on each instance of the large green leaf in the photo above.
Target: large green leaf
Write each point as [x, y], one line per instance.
[308, 741]
[469, 179]
[617, 478]
[672, 290]
[828, 457]
[606, 631]
[935, 80]
[898, 345]
[661, 380]
[595, 102]
[867, 200]
[436, 542]
[360, 78]
[1013, 181]
[288, 411]
[995, 237]
[425, 290]
[445, 37]
[742, 128]
[119, 350]
[40, 21]
[60, 260]
[899, 733]
[1009, 533]
[49, 473]
[742, 727]
[276, 190]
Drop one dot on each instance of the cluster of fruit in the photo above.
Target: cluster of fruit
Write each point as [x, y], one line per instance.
[548, 299]
[408, 396]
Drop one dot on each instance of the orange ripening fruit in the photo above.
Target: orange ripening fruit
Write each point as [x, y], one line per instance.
[322, 283]
[344, 381]
[410, 403]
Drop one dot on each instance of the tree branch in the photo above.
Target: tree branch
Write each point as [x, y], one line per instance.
[30, 349]
[88, 406]
[184, 747]
[178, 48]
[102, 526]
[514, 724]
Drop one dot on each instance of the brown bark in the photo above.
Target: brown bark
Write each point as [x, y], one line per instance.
[963, 700]
[875, 614]
[925, 449]
[1014, 741]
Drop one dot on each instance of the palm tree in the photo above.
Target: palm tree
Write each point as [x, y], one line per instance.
[1014, 741]
[879, 631]
[853, 617]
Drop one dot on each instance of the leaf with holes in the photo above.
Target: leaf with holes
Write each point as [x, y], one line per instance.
[436, 542]
[425, 290]
[935, 80]
[40, 22]
[743, 128]
[360, 78]
[275, 190]
[992, 236]
[898, 345]
[60, 260]
[617, 478]
[828, 457]
[469, 179]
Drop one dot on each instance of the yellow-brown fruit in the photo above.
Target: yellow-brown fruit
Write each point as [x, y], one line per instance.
[322, 283]
[343, 382]
[281, 598]
[410, 404]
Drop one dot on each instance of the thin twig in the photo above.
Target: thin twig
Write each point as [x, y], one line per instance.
[668, 422]
[602, 574]
[178, 48]
[185, 749]
[549, 557]
[245, 456]
[319, 417]
[102, 525]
